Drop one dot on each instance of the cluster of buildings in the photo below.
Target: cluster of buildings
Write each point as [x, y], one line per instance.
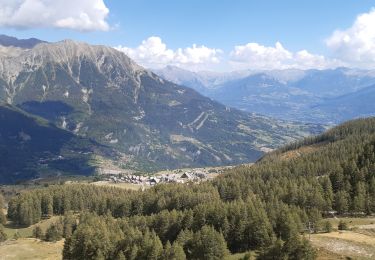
[175, 177]
[119, 178]
[187, 176]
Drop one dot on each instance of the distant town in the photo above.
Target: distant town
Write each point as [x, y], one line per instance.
[168, 176]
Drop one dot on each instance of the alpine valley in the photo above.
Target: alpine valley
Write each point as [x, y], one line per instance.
[135, 140]
[329, 96]
[99, 96]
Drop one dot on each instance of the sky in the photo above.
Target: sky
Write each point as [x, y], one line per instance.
[217, 35]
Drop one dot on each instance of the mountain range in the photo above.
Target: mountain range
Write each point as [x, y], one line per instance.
[304, 95]
[99, 94]
[8, 41]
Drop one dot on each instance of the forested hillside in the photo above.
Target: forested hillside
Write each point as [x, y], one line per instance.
[31, 147]
[263, 208]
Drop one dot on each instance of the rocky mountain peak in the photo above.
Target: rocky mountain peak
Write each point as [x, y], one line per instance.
[68, 50]
[69, 55]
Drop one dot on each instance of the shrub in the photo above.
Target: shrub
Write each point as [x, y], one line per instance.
[38, 232]
[54, 232]
[343, 225]
[327, 227]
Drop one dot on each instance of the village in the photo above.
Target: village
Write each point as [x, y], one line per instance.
[194, 175]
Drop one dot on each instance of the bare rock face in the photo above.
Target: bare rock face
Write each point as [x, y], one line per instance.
[100, 93]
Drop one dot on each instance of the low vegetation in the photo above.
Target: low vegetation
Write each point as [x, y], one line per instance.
[31, 249]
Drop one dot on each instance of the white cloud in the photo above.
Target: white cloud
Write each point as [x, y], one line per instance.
[356, 45]
[351, 47]
[84, 15]
[256, 56]
[153, 53]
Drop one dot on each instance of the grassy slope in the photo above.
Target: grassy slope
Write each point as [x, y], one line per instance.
[357, 243]
[29, 248]
[26, 232]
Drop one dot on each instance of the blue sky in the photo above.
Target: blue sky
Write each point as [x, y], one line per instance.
[217, 25]
[225, 23]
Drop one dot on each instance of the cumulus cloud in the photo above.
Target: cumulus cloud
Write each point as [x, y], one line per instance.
[154, 53]
[84, 15]
[256, 56]
[351, 47]
[356, 45]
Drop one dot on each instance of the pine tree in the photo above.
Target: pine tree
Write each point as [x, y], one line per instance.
[47, 205]
[341, 202]
[359, 200]
[302, 249]
[174, 252]
[38, 232]
[152, 248]
[371, 195]
[328, 193]
[69, 223]
[327, 227]
[120, 256]
[207, 243]
[54, 232]
[275, 251]
[285, 226]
